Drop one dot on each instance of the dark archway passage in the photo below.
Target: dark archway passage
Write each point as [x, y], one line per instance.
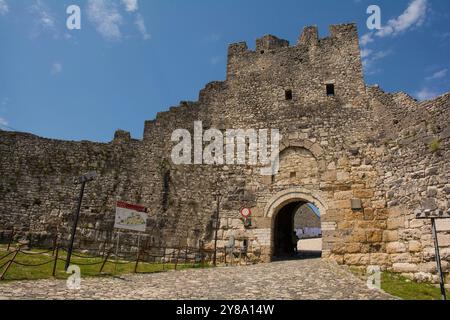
[286, 229]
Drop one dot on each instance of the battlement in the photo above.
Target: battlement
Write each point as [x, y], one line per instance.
[341, 40]
[308, 37]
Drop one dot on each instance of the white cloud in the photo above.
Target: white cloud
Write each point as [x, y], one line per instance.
[44, 19]
[437, 75]
[4, 8]
[131, 5]
[426, 94]
[140, 23]
[413, 16]
[365, 53]
[369, 58]
[106, 18]
[3, 123]
[366, 39]
[56, 68]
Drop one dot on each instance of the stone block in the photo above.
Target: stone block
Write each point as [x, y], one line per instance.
[443, 225]
[401, 258]
[416, 223]
[368, 214]
[395, 247]
[363, 193]
[414, 246]
[353, 248]
[444, 240]
[404, 267]
[356, 259]
[395, 223]
[374, 236]
[379, 259]
[390, 235]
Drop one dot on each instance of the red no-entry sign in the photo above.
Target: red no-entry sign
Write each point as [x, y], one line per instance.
[246, 212]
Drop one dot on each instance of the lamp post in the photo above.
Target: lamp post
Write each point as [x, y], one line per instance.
[219, 197]
[81, 180]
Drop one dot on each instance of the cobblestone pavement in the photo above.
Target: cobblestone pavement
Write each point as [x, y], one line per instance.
[293, 280]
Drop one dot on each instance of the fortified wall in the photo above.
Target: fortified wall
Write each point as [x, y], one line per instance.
[369, 160]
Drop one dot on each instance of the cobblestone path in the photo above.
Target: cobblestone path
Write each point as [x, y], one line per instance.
[293, 280]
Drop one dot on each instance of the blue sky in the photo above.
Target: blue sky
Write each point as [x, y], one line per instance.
[134, 58]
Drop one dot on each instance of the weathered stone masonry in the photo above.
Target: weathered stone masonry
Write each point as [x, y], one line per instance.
[387, 150]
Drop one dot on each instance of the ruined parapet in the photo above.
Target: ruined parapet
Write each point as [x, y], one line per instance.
[309, 36]
[122, 136]
[270, 42]
[312, 64]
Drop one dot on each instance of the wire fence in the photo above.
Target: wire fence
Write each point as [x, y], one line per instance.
[142, 258]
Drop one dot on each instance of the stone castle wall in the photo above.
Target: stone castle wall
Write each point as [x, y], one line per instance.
[360, 144]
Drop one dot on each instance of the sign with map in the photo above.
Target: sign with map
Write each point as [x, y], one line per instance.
[130, 217]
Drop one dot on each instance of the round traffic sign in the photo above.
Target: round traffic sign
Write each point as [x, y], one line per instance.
[246, 212]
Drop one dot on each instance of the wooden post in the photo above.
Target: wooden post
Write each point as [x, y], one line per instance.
[2, 277]
[164, 258]
[137, 262]
[11, 238]
[202, 254]
[176, 259]
[117, 251]
[55, 244]
[138, 257]
[104, 261]
[104, 246]
[56, 261]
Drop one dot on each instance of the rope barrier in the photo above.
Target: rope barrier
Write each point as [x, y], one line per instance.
[7, 255]
[177, 256]
[80, 256]
[33, 265]
[35, 253]
[1, 267]
[83, 264]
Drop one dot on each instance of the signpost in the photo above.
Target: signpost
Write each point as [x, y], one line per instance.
[129, 217]
[433, 215]
[246, 214]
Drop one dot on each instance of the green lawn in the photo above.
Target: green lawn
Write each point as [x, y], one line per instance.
[18, 272]
[406, 289]
[403, 288]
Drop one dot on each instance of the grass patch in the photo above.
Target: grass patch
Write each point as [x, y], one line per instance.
[401, 287]
[435, 145]
[406, 289]
[18, 272]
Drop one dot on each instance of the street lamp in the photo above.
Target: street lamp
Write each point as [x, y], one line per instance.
[217, 224]
[81, 180]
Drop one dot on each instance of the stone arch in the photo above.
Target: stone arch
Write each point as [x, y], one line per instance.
[314, 148]
[284, 200]
[293, 195]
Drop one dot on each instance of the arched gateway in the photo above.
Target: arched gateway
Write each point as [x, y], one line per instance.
[281, 210]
